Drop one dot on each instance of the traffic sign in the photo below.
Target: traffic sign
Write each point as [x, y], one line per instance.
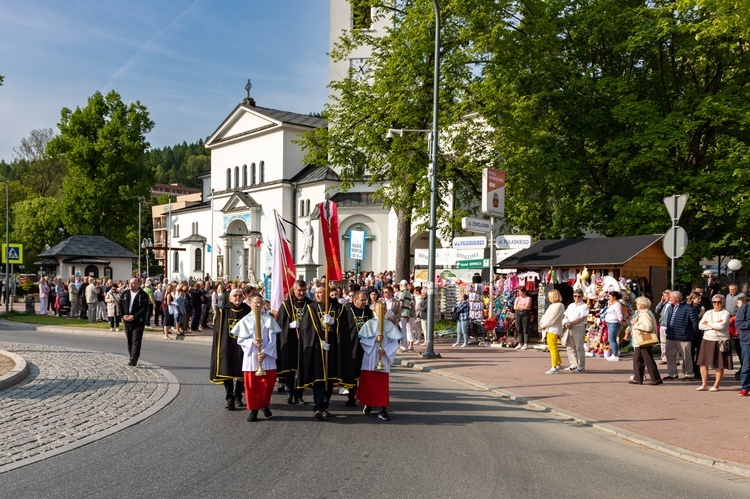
[472, 242]
[476, 224]
[675, 242]
[12, 253]
[513, 241]
[479, 263]
[675, 204]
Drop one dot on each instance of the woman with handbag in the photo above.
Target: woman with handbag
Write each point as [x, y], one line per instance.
[645, 331]
[714, 350]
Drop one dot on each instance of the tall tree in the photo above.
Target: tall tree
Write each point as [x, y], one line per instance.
[104, 146]
[37, 170]
[395, 90]
[604, 107]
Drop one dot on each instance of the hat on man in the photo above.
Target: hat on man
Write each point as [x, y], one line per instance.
[403, 282]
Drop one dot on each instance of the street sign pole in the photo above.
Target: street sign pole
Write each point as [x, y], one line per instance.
[675, 204]
[492, 268]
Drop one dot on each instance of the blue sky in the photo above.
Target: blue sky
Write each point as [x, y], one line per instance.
[187, 61]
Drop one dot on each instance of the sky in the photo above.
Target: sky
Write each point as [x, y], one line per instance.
[186, 61]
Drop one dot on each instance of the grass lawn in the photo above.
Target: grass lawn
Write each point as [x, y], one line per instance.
[51, 320]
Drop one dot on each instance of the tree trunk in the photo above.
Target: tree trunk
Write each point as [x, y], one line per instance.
[403, 246]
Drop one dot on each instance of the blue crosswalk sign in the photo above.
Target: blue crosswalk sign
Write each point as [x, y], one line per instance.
[12, 253]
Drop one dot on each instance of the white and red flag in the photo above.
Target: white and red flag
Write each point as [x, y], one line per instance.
[283, 272]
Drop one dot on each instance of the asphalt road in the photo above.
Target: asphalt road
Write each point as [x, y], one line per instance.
[446, 440]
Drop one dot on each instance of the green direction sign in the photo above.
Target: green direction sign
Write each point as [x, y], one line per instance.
[479, 263]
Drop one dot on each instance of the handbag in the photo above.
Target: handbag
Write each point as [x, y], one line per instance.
[565, 338]
[723, 345]
[646, 339]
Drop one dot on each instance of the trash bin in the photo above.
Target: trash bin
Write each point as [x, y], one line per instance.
[30, 305]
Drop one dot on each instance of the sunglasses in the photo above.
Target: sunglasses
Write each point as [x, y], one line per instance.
[577, 296]
[716, 301]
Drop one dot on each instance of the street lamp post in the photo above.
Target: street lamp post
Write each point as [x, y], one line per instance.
[139, 237]
[146, 244]
[432, 170]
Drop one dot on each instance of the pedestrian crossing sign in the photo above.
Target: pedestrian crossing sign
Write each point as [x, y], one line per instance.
[12, 253]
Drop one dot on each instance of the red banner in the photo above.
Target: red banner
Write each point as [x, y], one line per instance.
[329, 224]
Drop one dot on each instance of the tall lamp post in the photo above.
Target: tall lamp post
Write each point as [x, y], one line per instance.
[432, 170]
[146, 244]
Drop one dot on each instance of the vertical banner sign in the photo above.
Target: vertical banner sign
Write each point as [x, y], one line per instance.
[329, 223]
[357, 245]
[493, 192]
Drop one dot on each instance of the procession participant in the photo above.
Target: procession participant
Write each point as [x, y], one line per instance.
[134, 307]
[350, 352]
[317, 355]
[289, 318]
[373, 390]
[226, 354]
[256, 334]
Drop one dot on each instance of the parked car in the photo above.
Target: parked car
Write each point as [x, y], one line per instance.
[23, 277]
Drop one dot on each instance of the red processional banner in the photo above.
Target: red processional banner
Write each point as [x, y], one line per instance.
[329, 224]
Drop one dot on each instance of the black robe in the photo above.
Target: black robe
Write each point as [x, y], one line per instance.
[287, 341]
[311, 365]
[226, 354]
[350, 351]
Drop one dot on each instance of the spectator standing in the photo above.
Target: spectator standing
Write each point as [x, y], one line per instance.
[682, 322]
[574, 320]
[112, 299]
[462, 321]
[715, 350]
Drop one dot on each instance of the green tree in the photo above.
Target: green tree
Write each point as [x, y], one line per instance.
[37, 170]
[396, 91]
[602, 108]
[35, 225]
[104, 146]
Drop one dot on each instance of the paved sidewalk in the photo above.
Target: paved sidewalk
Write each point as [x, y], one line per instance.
[713, 427]
[72, 397]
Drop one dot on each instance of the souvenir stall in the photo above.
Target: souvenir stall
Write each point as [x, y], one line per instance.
[632, 265]
[506, 289]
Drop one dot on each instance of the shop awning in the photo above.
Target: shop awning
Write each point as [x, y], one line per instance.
[599, 252]
[46, 262]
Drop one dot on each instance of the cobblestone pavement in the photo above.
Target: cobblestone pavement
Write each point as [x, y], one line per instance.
[73, 397]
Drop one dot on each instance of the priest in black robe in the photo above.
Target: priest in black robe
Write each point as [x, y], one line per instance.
[226, 354]
[289, 318]
[317, 363]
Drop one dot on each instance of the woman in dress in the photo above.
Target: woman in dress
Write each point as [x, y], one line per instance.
[715, 327]
[168, 321]
[643, 320]
[551, 326]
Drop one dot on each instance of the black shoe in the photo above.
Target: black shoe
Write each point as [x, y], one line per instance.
[253, 416]
[634, 382]
[657, 382]
[318, 414]
[133, 362]
[230, 405]
[238, 403]
[350, 403]
[130, 362]
[367, 410]
[383, 416]
[670, 378]
[267, 412]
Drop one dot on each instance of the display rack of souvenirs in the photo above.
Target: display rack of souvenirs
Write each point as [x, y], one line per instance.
[448, 298]
[475, 290]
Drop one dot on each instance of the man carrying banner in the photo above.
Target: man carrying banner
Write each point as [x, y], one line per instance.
[320, 331]
[379, 339]
[226, 354]
[289, 319]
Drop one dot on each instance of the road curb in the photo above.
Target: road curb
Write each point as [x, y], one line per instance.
[685, 455]
[6, 324]
[18, 373]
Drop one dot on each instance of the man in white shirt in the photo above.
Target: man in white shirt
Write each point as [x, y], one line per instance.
[574, 321]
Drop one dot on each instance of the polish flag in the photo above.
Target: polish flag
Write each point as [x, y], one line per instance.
[283, 273]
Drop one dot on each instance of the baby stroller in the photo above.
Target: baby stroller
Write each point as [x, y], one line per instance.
[63, 304]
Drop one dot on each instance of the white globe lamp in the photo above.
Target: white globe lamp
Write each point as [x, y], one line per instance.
[734, 264]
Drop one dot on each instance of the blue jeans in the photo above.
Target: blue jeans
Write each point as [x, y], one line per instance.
[745, 373]
[612, 329]
[461, 330]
